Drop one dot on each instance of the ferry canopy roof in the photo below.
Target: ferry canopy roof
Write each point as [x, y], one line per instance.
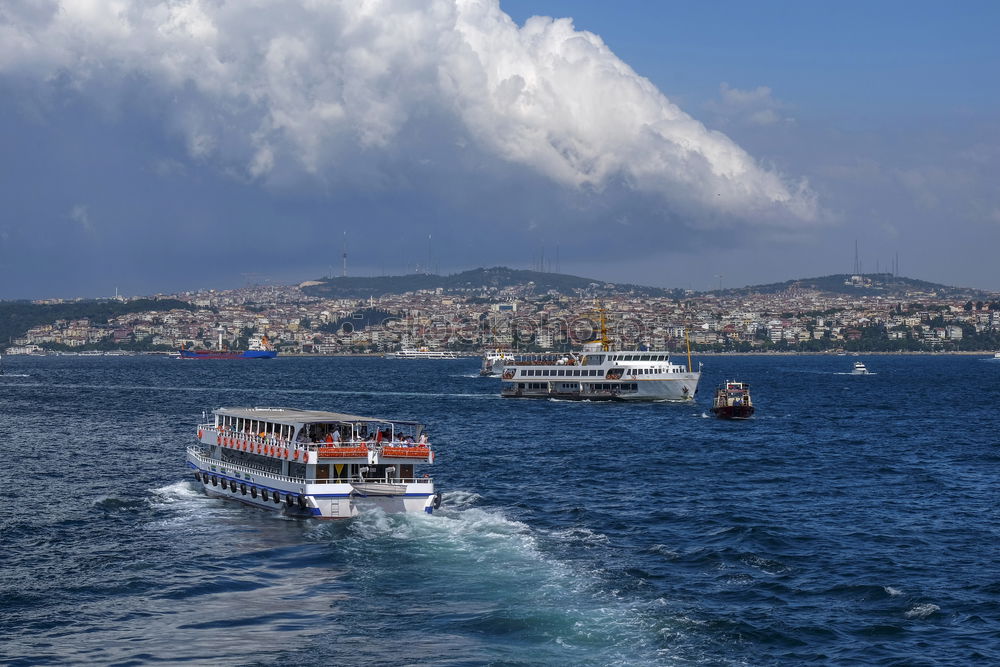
[292, 416]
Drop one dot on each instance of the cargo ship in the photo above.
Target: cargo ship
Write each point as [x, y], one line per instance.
[259, 348]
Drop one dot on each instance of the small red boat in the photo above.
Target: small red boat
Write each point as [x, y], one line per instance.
[732, 401]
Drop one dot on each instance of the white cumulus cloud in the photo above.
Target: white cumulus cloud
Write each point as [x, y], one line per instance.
[752, 107]
[355, 91]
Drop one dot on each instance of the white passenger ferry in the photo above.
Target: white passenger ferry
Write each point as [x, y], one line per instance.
[422, 353]
[312, 463]
[599, 374]
[494, 362]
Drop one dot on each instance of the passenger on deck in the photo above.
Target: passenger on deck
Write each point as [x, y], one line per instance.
[336, 436]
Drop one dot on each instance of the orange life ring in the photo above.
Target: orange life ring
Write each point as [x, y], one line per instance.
[218, 439]
[286, 453]
[199, 434]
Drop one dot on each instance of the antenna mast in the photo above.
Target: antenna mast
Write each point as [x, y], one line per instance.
[343, 271]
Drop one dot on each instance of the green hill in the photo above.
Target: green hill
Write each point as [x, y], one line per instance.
[871, 284]
[16, 317]
[475, 280]
[500, 277]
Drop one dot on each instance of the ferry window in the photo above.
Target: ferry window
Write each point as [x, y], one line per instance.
[562, 373]
[576, 373]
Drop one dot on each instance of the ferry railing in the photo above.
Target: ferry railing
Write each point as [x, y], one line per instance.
[325, 449]
[203, 454]
[255, 440]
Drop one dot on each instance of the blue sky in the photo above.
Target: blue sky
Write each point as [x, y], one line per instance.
[183, 145]
[861, 59]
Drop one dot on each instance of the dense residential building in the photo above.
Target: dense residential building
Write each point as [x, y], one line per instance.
[516, 317]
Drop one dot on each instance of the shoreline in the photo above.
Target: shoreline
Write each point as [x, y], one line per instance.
[478, 355]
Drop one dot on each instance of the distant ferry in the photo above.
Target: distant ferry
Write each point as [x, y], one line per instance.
[422, 353]
[312, 463]
[259, 348]
[494, 361]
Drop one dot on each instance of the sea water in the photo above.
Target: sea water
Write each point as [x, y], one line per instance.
[853, 520]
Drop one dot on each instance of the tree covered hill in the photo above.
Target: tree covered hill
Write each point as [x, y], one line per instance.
[876, 284]
[475, 280]
[16, 317]
[871, 284]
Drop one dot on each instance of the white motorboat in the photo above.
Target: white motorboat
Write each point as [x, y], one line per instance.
[860, 369]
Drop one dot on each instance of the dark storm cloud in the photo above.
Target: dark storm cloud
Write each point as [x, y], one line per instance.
[154, 127]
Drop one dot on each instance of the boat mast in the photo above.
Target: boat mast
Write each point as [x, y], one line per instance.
[687, 341]
[605, 341]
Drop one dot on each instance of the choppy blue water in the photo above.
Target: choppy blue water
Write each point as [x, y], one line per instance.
[853, 521]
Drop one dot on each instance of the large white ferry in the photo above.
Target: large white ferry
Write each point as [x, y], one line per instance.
[422, 353]
[600, 374]
[312, 463]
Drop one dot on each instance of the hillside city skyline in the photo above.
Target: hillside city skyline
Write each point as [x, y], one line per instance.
[852, 312]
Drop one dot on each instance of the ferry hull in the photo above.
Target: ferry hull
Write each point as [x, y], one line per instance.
[679, 389]
[304, 500]
[734, 412]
